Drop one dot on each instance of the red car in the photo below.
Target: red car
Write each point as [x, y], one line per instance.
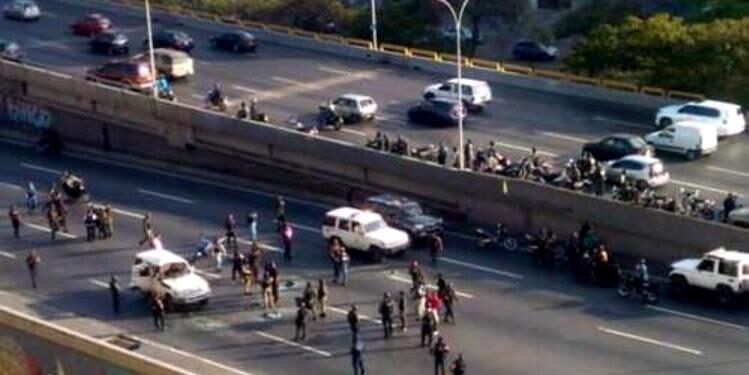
[124, 73]
[91, 24]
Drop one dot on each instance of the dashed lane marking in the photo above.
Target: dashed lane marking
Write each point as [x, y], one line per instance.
[191, 356]
[45, 229]
[697, 317]
[208, 274]
[10, 186]
[99, 283]
[341, 311]
[246, 89]
[355, 132]
[698, 186]
[127, 213]
[294, 344]
[328, 69]
[481, 268]
[7, 255]
[623, 123]
[40, 168]
[406, 280]
[565, 137]
[651, 341]
[166, 196]
[729, 171]
[526, 149]
[307, 228]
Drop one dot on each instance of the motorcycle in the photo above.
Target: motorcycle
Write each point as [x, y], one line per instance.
[543, 250]
[217, 102]
[696, 206]
[327, 116]
[498, 237]
[587, 270]
[428, 152]
[630, 285]
[260, 117]
[73, 187]
[167, 94]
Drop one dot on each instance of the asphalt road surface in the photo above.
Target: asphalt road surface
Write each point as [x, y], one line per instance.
[512, 317]
[291, 83]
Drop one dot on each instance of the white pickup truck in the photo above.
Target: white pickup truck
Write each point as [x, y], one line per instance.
[723, 272]
[169, 276]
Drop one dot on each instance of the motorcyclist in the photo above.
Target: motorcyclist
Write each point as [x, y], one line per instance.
[401, 146]
[70, 180]
[215, 96]
[253, 108]
[729, 204]
[377, 142]
[642, 278]
[442, 154]
[162, 86]
[243, 113]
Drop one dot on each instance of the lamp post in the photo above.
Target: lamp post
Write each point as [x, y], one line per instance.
[374, 23]
[152, 61]
[458, 18]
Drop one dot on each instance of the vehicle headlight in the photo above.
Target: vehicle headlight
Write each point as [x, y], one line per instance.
[419, 226]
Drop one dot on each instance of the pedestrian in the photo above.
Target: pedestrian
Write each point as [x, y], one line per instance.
[334, 254]
[147, 229]
[322, 298]
[280, 211]
[300, 323]
[458, 366]
[309, 298]
[353, 322]
[441, 285]
[157, 310]
[433, 307]
[386, 314]
[108, 220]
[62, 212]
[275, 278]
[427, 329]
[237, 260]
[114, 289]
[401, 303]
[252, 218]
[449, 298]
[247, 279]
[286, 235]
[417, 276]
[256, 255]
[265, 285]
[442, 155]
[436, 247]
[231, 231]
[32, 198]
[89, 222]
[419, 296]
[469, 154]
[219, 251]
[440, 353]
[357, 357]
[32, 262]
[345, 260]
[15, 221]
[54, 222]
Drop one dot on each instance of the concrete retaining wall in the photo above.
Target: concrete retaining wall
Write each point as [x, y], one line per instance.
[193, 136]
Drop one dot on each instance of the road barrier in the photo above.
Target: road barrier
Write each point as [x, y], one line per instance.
[175, 132]
[394, 48]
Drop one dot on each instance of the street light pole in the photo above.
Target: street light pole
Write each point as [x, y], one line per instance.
[374, 23]
[151, 58]
[458, 18]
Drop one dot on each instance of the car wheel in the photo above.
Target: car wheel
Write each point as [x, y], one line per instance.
[665, 122]
[691, 155]
[724, 294]
[679, 285]
[376, 254]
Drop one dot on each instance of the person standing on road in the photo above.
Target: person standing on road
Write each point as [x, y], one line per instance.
[89, 221]
[309, 298]
[436, 247]
[440, 353]
[219, 251]
[357, 357]
[417, 276]
[729, 204]
[420, 299]
[147, 229]
[345, 260]
[53, 221]
[247, 279]
[386, 314]
[353, 323]
[401, 303]
[449, 297]
[32, 198]
[442, 155]
[114, 289]
[15, 221]
[300, 322]
[32, 263]
[322, 298]
[458, 366]
[108, 220]
[275, 278]
[280, 211]
[252, 218]
[236, 264]
[157, 310]
[334, 254]
[287, 234]
[265, 286]
[231, 231]
[427, 329]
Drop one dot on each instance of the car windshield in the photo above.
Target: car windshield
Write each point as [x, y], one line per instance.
[374, 226]
[175, 270]
[412, 209]
[638, 142]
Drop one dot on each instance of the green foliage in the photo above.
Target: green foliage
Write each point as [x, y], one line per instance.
[584, 19]
[401, 22]
[665, 51]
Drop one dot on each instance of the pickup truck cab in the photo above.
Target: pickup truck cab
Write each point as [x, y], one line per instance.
[364, 231]
[170, 276]
[722, 272]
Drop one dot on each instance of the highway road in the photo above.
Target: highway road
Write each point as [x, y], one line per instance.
[513, 317]
[291, 83]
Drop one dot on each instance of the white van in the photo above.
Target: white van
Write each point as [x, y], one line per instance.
[170, 276]
[727, 117]
[476, 94]
[691, 139]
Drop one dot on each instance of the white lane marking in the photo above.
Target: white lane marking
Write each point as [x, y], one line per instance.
[461, 235]
[198, 96]
[729, 171]
[127, 213]
[166, 196]
[648, 340]
[10, 186]
[99, 283]
[482, 268]
[211, 275]
[565, 137]
[7, 255]
[246, 89]
[294, 344]
[263, 246]
[623, 123]
[292, 82]
[38, 43]
[40, 168]
[406, 280]
[526, 149]
[356, 132]
[191, 356]
[697, 317]
[307, 228]
[699, 186]
[45, 229]
[328, 69]
[361, 316]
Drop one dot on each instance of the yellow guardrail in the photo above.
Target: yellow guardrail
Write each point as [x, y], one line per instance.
[486, 64]
[394, 49]
[254, 24]
[675, 94]
[331, 38]
[360, 43]
[453, 59]
[655, 91]
[584, 80]
[619, 85]
[279, 29]
[552, 74]
[518, 69]
[427, 54]
[304, 33]
[233, 20]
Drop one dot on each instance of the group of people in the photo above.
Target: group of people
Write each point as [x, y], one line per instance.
[312, 304]
[99, 222]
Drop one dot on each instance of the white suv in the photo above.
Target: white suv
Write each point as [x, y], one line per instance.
[724, 272]
[644, 171]
[364, 231]
[476, 94]
[727, 117]
[169, 276]
[355, 108]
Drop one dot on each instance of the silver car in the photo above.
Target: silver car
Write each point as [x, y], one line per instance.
[10, 50]
[22, 10]
[355, 108]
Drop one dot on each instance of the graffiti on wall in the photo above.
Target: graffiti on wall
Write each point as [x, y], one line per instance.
[25, 113]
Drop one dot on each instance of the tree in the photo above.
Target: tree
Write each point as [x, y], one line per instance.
[479, 12]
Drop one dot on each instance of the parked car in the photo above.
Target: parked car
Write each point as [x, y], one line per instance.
[172, 63]
[404, 214]
[355, 108]
[173, 39]
[91, 24]
[528, 50]
[10, 50]
[364, 231]
[438, 112]
[722, 272]
[22, 10]
[644, 171]
[167, 274]
[686, 138]
[235, 41]
[128, 73]
[617, 146]
[476, 94]
[727, 117]
[449, 34]
[110, 42]
[739, 217]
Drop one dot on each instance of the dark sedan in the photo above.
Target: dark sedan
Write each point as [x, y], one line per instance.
[436, 112]
[235, 41]
[111, 43]
[618, 146]
[10, 51]
[91, 24]
[173, 39]
[404, 214]
[527, 50]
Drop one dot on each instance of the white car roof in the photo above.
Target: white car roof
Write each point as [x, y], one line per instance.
[719, 104]
[160, 257]
[642, 159]
[356, 97]
[734, 255]
[352, 213]
[468, 81]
